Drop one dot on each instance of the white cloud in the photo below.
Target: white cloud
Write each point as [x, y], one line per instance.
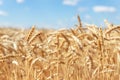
[70, 2]
[3, 13]
[104, 9]
[20, 1]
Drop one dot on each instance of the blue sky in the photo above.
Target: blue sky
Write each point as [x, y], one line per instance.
[57, 13]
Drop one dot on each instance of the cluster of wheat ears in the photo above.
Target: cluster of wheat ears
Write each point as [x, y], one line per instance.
[83, 53]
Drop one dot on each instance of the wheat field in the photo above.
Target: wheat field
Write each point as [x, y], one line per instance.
[82, 53]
